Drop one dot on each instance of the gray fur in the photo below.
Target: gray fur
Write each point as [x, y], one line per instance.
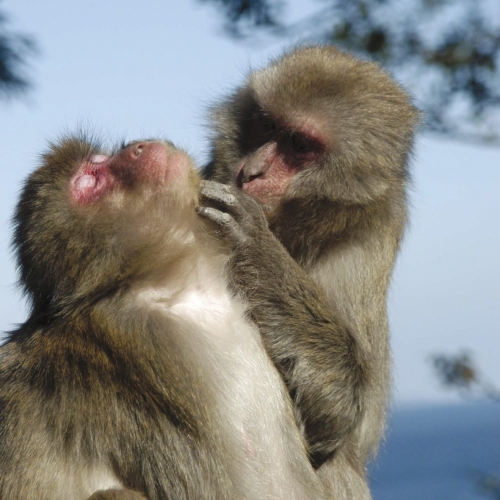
[137, 370]
[318, 288]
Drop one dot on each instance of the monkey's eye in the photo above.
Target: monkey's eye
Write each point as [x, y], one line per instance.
[301, 144]
[267, 123]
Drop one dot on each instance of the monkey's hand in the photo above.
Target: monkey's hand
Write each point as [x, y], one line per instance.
[317, 354]
[238, 217]
[257, 256]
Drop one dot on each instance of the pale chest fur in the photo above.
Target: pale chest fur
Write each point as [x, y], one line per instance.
[253, 406]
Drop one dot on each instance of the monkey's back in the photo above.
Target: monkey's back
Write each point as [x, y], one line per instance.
[78, 414]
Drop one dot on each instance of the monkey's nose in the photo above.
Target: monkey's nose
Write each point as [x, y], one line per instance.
[135, 150]
[253, 169]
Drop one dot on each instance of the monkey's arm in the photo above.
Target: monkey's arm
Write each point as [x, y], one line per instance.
[318, 356]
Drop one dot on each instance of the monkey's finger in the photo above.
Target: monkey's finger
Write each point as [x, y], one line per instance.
[216, 186]
[243, 208]
[223, 220]
[230, 195]
[216, 189]
[222, 197]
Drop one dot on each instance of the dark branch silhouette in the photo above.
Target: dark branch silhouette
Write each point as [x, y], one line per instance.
[459, 371]
[446, 53]
[15, 51]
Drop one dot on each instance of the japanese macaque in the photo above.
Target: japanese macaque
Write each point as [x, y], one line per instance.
[322, 141]
[137, 374]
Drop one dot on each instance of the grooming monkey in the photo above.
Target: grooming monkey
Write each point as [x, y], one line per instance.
[136, 375]
[322, 141]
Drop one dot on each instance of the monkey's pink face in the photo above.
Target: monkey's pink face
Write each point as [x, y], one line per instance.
[282, 150]
[140, 163]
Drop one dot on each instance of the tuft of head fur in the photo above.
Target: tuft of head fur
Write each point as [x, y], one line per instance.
[367, 115]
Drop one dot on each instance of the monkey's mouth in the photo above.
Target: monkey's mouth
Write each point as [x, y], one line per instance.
[92, 176]
[266, 184]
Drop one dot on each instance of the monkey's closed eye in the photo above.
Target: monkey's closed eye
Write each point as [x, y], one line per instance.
[302, 144]
[267, 123]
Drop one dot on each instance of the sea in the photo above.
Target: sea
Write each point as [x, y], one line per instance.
[439, 453]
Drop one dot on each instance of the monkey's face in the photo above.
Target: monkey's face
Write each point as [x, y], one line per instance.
[278, 150]
[145, 165]
[88, 220]
[137, 197]
[315, 123]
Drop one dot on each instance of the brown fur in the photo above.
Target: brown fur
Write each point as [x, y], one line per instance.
[341, 218]
[119, 381]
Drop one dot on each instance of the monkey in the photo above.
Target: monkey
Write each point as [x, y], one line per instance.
[321, 142]
[137, 373]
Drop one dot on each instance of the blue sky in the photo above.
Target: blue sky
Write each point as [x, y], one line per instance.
[152, 68]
